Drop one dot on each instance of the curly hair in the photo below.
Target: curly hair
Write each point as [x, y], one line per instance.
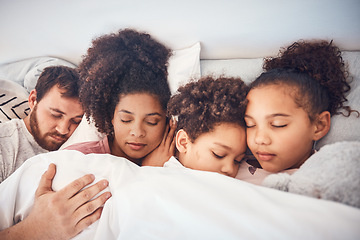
[317, 70]
[201, 105]
[121, 63]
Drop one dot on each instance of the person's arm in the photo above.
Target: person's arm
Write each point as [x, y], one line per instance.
[165, 150]
[62, 214]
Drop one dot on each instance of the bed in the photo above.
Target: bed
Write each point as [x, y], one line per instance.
[208, 37]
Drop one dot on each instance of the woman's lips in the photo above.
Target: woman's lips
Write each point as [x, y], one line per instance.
[264, 156]
[136, 146]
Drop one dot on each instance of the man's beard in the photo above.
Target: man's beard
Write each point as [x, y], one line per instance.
[41, 140]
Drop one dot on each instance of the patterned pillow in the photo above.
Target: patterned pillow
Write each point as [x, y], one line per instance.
[13, 101]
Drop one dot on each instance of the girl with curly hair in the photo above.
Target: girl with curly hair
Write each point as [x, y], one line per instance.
[290, 106]
[125, 91]
[210, 125]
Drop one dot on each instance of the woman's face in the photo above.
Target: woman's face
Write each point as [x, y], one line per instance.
[139, 124]
[279, 132]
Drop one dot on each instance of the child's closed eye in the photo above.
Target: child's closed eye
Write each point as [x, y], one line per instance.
[217, 155]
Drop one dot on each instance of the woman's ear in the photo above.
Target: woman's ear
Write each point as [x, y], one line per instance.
[32, 99]
[182, 139]
[322, 125]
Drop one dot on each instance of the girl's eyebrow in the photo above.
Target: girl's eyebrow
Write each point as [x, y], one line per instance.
[279, 115]
[226, 147]
[221, 145]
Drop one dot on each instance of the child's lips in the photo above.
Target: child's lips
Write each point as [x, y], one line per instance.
[136, 146]
[265, 156]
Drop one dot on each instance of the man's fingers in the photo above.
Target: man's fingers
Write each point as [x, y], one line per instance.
[91, 206]
[87, 194]
[88, 220]
[46, 181]
[75, 186]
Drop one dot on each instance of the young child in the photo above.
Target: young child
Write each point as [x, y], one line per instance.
[125, 91]
[210, 125]
[290, 106]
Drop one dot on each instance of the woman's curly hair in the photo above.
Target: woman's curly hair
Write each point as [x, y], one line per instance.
[317, 69]
[121, 63]
[201, 105]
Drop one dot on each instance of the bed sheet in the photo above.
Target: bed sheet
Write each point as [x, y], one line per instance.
[180, 203]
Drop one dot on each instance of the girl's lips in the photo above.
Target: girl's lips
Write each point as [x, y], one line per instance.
[136, 146]
[264, 156]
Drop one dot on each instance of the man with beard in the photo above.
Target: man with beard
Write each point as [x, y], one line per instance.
[55, 112]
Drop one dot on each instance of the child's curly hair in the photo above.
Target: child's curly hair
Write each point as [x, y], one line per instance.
[317, 69]
[121, 63]
[201, 105]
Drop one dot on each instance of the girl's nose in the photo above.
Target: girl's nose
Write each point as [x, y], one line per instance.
[262, 137]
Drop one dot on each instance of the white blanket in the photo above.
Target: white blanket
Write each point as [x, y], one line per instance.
[179, 203]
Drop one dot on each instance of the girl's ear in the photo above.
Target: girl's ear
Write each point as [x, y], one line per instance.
[322, 125]
[32, 99]
[182, 140]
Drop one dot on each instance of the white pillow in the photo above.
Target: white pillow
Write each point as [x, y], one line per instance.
[13, 101]
[26, 72]
[347, 128]
[246, 69]
[184, 64]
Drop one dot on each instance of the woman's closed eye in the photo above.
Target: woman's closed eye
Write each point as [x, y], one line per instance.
[153, 121]
[125, 120]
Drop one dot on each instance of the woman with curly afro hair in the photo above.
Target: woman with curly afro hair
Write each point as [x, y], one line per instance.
[210, 125]
[290, 106]
[125, 91]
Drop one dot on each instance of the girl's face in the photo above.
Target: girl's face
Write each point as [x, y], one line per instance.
[279, 133]
[139, 124]
[220, 150]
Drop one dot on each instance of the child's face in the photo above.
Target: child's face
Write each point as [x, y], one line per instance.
[218, 151]
[279, 133]
[139, 123]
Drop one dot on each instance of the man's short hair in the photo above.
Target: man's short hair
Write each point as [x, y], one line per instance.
[66, 78]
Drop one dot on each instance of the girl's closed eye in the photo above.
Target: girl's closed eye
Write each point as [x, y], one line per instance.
[249, 123]
[278, 124]
[218, 155]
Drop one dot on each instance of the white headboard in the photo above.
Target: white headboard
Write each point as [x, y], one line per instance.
[225, 28]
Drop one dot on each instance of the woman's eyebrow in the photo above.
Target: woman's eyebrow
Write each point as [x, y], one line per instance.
[154, 114]
[126, 111]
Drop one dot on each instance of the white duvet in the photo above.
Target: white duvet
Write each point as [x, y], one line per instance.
[179, 203]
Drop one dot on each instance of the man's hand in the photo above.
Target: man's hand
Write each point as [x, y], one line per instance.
[165, 150]
[62, 214]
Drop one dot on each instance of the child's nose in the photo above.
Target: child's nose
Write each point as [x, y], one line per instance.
[262, 137]
[229, 168]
